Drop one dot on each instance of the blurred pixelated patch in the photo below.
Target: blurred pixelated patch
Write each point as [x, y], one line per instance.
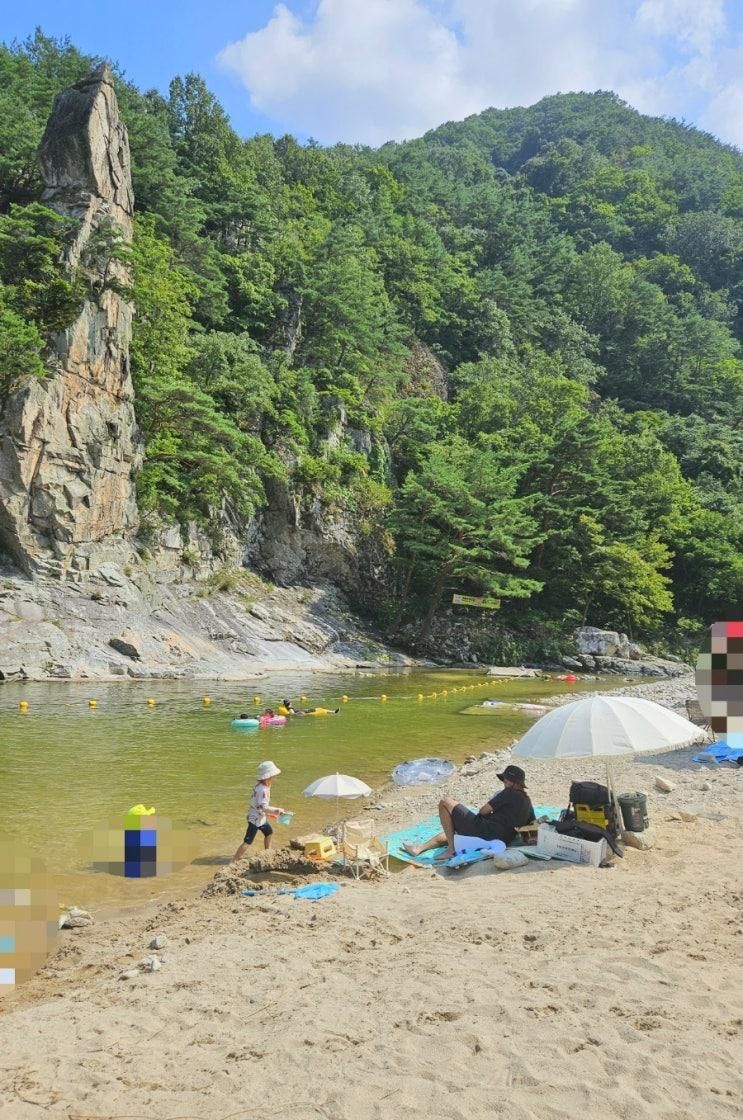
[29, 916]
[137, 846]
[719, 679]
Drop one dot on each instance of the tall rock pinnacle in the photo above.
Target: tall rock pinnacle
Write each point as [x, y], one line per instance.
[69, 444]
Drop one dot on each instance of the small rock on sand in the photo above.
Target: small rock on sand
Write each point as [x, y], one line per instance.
[75, 918]
[151, 964]
[158, 942]
[664, 785]
[128, 974]
[643, 841]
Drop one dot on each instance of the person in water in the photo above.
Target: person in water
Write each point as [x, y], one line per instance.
[292, 710]
[498, 818]
[306, 711]
[260, 808]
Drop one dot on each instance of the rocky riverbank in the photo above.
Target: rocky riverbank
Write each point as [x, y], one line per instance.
[146, 622]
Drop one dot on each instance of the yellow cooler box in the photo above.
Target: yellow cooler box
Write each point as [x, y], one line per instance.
[591, 815]
[321, 849]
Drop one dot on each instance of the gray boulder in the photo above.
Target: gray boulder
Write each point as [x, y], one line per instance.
[601, 643]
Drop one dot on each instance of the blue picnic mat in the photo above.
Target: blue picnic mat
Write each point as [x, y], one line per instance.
[419, 833]
[721, 751]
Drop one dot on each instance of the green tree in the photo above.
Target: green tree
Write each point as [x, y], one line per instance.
[197, 460]
[20, 349]
[459, 518]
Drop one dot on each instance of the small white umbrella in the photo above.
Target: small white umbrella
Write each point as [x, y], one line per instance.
[334, 786]
[337, 785]
[606, 727]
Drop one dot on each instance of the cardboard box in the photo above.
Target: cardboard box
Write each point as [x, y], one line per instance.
[570, 848]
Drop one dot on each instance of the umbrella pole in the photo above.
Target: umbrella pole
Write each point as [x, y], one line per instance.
[613, 794]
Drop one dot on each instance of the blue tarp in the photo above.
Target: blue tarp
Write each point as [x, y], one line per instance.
[719, 752]
[313, 892]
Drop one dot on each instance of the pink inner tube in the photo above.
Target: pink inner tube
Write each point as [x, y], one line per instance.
[272, 721]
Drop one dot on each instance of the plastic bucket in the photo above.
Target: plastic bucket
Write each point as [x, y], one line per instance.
[284, 818]
[634, 808]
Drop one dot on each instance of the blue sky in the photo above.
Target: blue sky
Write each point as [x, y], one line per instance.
[371, 70]
[153, 40]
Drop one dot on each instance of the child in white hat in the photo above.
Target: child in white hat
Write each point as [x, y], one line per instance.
[260, 808]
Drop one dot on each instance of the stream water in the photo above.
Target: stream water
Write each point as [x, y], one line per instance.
[68, 771]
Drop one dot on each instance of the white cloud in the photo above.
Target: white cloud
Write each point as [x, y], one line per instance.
[364, 70]
[695, 24]
[373, 70]
[723, 112]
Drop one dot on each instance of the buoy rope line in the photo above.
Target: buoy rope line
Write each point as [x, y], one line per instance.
[258, 701]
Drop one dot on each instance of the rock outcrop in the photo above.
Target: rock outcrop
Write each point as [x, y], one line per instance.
[606, 651]
[595, 642]
[69, 444]
[153, 624]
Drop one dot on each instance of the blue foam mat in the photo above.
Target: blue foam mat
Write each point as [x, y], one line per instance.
[424, 830]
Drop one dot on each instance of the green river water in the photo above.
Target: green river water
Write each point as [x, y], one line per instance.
[67, 771]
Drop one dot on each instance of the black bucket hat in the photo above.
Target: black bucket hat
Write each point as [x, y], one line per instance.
[513, 774]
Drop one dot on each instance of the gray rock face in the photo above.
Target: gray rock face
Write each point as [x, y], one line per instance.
[296, 545]
[69, 444]
[601, 643]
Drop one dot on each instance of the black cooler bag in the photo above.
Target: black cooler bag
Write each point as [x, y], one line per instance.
[592, 794]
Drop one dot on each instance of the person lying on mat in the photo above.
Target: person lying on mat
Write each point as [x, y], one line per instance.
[498, 818]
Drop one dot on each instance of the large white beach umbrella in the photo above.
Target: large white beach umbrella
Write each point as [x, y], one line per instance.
[606, 727]
[334, 786]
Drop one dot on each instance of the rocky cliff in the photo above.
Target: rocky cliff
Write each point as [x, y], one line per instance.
[80, 597]
[69, 444]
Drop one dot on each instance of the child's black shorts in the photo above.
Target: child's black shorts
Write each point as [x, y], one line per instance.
[251, 830]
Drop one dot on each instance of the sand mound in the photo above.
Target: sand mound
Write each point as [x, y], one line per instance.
[280, 866]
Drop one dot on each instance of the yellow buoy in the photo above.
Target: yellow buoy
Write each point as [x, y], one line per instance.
[302, 699]
[206, 701]
[344, 698]
[419, 696]
[434, 694]
[445, 692]
[92, 703]
[256, 699]
[151, 702]
[383, 697]
[23, 705]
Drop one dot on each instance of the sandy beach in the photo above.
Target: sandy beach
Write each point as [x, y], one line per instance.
[534, 994]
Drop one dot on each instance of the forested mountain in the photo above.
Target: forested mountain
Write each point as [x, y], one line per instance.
[509, 352]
